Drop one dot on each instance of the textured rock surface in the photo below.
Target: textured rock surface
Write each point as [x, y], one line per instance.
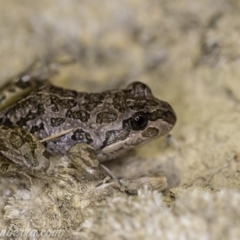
[188, 53]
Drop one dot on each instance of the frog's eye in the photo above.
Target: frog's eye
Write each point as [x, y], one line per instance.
[138, 121]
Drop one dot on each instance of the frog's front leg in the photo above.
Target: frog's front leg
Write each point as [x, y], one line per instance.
[86, 165]
[23, 148]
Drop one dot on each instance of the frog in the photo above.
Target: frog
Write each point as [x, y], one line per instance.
[39, 120]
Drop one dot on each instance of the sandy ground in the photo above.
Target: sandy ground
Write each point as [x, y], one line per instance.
[188, 52]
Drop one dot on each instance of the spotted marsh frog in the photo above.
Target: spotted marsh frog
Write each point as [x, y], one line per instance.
[45, 120]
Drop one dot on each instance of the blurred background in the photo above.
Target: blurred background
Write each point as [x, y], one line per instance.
[187, 51]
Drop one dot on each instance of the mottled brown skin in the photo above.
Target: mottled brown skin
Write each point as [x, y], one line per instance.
[110, 122]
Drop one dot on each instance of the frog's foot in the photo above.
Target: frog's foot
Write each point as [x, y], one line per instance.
[154, 183]
[8, 169]
[84, 164]
[83, 158]
[87, 167]
[23, 148]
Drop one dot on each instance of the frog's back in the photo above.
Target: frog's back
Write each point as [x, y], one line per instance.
[46, 111]
[62, 116]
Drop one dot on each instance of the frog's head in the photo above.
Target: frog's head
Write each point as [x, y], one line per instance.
[136, 117]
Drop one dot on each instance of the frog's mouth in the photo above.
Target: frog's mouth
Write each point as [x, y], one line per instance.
[119, 141]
